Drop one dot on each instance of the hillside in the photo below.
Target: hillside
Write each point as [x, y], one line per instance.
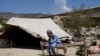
[7, 15]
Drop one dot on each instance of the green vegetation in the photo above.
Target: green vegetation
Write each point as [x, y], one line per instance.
[78, 19]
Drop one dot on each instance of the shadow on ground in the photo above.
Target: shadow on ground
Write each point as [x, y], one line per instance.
[48, 55]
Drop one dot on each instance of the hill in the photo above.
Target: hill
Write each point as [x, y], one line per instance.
[7, 15]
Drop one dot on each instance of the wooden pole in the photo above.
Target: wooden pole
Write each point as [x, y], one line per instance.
[85, 48]
[10, 42]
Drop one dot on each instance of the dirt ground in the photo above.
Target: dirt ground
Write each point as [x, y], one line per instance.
[29, 52]
[35, 52]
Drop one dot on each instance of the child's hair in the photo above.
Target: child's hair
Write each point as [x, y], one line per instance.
[94, 43]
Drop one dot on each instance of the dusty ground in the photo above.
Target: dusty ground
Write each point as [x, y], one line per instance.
[34, 52]
[29, 52]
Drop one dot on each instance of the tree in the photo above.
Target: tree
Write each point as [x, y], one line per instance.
[78, 18]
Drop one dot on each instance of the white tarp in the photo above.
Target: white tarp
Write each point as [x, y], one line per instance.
[36, 26]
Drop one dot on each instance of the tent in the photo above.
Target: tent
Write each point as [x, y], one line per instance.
[38, 27]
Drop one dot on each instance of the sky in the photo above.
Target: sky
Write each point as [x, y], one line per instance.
[44, 6]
